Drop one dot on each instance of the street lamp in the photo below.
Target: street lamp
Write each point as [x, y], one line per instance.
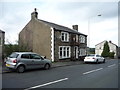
[89, 31]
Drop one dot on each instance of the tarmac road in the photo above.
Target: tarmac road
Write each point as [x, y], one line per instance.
[102, 75]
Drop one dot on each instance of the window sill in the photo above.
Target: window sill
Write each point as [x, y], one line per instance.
[64, 58]
[65, 41]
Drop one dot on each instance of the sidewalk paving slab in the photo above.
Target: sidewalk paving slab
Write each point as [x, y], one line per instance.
[3, 69]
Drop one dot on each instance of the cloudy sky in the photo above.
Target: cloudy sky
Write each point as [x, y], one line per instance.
[15, 14]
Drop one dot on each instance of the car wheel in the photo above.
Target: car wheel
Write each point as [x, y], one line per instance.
[47, 66]
[104, 61]
[21, 69]
[97, 61]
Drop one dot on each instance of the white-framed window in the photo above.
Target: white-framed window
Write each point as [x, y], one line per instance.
[82, 52]
[64, 36]
[82, 39]
[76, 38]
[64, 52]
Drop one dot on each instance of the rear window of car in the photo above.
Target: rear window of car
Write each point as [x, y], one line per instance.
[13, 55]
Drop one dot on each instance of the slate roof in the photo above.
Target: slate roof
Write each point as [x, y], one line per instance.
[61, 28]
[105, 41]
[2, 31]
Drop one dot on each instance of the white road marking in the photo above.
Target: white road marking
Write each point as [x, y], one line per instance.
[92, 71]
[46, 84]
[112, 65]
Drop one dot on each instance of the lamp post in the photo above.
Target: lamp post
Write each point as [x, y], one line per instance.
[89, 33]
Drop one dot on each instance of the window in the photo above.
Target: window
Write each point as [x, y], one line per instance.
[64, 36]
[76, 38]
[13, 55]
[82, 39]
[34, 56]
[97, 55]
[82, 52]
[60, 52]
[68, 51]
[25, 56]
[64, 52]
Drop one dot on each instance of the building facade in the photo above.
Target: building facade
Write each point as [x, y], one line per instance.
[113, 48]
[2, 36]
[54, 41]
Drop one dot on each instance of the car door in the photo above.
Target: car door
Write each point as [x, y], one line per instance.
[25, 59]
[37, 61]
[100, 58]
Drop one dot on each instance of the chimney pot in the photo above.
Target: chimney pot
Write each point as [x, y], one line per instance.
[110, 41]
[34, 14]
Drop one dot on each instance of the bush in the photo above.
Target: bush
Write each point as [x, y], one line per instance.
[111, 54]
[9, 48]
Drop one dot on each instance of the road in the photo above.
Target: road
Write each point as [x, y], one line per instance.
[102, 75]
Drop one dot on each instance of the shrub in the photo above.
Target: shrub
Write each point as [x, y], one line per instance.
[111, 54]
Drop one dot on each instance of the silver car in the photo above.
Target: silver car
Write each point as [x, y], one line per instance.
[21, 61]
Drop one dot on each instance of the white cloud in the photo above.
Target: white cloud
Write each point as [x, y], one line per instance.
[59, 0]
[16, 15]
[105, 30]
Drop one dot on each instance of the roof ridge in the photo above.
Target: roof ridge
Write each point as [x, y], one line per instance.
[2, 31]
[61, 27]
[104, 41]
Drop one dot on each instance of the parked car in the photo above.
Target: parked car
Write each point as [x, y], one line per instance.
[21, 61]
[94, 58]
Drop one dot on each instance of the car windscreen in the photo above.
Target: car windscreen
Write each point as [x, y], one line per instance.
[13, 55]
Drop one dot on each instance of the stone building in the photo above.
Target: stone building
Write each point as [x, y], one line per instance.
[2, 36]
[113, 48]
[54, 41]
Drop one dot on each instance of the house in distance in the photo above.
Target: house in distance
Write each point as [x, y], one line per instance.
[54, 41]
[113, 48]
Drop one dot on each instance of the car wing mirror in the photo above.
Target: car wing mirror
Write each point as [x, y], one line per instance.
[43, 57]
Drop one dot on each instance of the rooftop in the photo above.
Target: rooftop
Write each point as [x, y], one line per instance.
[61, 28]
[2, 31]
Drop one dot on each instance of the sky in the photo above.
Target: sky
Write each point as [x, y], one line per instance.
[15, 14]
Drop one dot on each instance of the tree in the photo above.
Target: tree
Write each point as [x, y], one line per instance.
[9, 48]
[106, 50]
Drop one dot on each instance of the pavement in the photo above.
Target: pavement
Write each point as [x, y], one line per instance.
[3, 69]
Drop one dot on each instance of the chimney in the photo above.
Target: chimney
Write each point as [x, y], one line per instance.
[75, 27]
[110, 41]
[34, 14]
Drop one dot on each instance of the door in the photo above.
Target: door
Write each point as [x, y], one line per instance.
[99, 58]
[76, 52]
[25, 59]
[38, 62]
